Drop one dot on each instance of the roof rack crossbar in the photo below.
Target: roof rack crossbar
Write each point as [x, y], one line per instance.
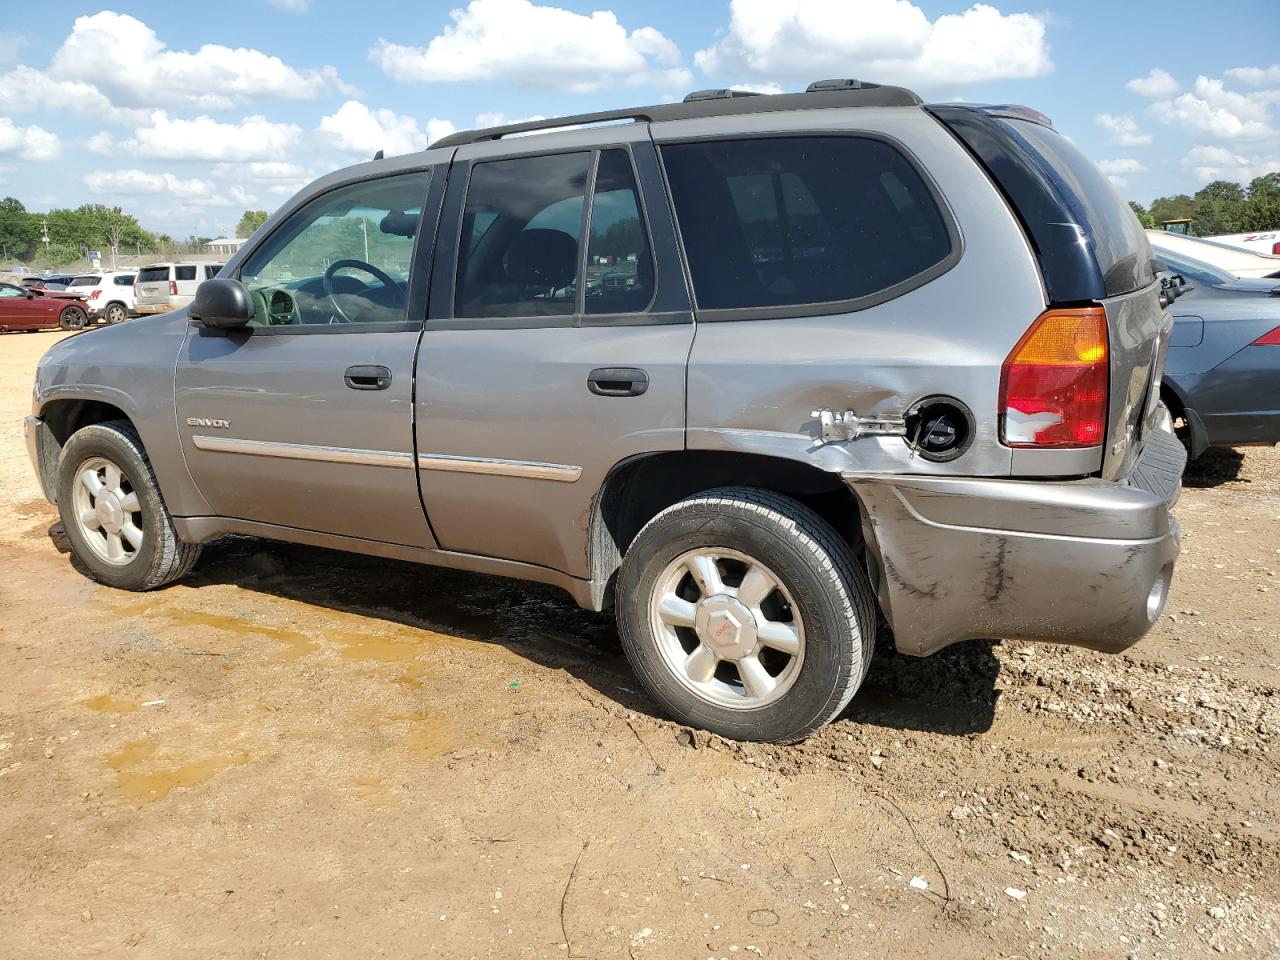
[842, 95]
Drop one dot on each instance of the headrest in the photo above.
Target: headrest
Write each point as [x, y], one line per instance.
[546, 258]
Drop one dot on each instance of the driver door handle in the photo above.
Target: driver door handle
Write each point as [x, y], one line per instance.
[618, 381]
[364, 377]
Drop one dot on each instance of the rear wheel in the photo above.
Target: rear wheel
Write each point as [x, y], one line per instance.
[743, 612]
[116, 313]
[73, 318]
[113, 513]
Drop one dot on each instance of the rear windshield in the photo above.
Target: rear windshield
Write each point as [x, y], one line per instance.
[1086, 238]
[152, 274]
[1120, 245]
[85, 281]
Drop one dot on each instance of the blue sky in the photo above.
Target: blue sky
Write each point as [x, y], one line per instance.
[187, 114]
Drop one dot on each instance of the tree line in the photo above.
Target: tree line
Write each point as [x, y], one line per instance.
[1219, 207]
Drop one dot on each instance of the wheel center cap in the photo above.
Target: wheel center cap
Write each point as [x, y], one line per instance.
[107, 505]
[727, 626]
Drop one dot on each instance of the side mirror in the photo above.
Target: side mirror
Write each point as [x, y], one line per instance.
[223, 303]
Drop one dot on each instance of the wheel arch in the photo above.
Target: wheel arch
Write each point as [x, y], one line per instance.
[1175, 398]
[639, 488]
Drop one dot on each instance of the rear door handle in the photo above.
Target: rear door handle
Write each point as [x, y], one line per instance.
[618, 381]
[364, 377]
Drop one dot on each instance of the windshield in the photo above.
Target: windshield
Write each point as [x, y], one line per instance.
[1191, 269]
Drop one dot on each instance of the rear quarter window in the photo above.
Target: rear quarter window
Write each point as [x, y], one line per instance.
[818, 223]
[153, 274]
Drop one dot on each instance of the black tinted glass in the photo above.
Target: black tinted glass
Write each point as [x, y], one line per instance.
[184, 273]
[85, 281]
[790, 221]
[152, 274]
[619, 266]
[525, 261]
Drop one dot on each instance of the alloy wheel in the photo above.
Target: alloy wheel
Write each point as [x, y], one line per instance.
[107, 511]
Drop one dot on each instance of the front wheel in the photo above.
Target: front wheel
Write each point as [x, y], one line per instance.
[744, 613]
[113, 513]
[73, 318]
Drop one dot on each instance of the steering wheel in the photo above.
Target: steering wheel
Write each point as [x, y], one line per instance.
[369, 268]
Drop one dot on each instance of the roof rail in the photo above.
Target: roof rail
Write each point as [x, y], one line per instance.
[829, 94]
[718, 95]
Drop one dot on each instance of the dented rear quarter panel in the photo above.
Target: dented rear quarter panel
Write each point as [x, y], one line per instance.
[754, 383]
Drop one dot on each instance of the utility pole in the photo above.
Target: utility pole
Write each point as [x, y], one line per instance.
[44, 229]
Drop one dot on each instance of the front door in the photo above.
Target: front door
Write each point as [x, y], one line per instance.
[304, 418]
[23, 310]
[555, 346]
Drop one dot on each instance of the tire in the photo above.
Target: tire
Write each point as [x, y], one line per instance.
[73, 318]
[156, 556]
[116, 313]
[819, 615]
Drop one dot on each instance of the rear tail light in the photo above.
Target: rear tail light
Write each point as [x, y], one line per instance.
[95, 295]
[1053, 386]
[1275, 249]
[173, 288]
[1269, 339]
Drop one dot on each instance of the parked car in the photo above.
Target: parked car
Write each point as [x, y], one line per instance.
[404, 362]
[35, 309]
[1241, 262]
[1222, 377]
[108, 296]
[164, 287]
[56, 281]
[1260, 241]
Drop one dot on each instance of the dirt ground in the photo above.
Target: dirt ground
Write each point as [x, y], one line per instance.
[298, 753]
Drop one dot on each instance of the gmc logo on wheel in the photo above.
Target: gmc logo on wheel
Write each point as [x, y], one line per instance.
[206, 422]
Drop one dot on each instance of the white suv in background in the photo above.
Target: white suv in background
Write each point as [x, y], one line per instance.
[107, 296]
[161, 287]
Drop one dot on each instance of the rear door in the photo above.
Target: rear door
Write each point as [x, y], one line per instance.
[555, 347]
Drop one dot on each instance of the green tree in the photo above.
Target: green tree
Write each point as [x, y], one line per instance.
[250, 222]
[1177, 207]
[18, 230]
[1266, 187]
[1144, 217]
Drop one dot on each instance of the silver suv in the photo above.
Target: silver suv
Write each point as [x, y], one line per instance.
[754, 370]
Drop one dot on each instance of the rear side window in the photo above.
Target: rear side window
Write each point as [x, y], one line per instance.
[523, 218]
[795, 221]
[124, 281]
[184, 273]
[153, 274]
[212, 269]
[619, 266]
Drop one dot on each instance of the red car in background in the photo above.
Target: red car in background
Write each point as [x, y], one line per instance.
[32, 308]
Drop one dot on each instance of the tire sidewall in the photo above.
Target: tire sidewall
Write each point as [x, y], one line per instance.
[113, 445]
[78, 318]
[833, 645]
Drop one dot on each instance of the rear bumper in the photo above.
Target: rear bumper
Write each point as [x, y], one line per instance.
[1084, 562]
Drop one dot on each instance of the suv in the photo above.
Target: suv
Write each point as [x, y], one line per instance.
[870, 357]
[108, 296]
[164, 287]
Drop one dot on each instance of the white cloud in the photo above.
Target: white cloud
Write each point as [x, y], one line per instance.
[11, 45]
[1123, 129]
[1212, 110]
[526, 43]
[1256, 76]
[112, 66]
[356, 129]
[1212, 162]
[268, 170]
[202, 138]
[28, 143]
[135, 182]
[890, 40]
[1122, 165]
[1158, 84]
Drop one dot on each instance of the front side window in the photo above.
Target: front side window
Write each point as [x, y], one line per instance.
[345, 257]
[789, 221]
[124, 281]
[8, 291]
[521, 228]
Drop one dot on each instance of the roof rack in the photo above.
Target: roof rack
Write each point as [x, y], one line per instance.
[711, 103]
